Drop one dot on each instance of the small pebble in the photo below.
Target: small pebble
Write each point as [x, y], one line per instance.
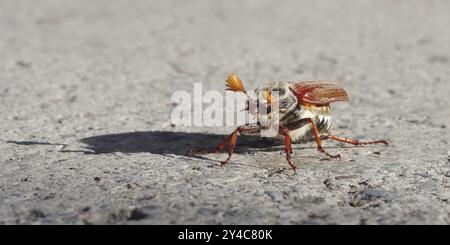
[137, 214]
[329, 184]
[23, 64]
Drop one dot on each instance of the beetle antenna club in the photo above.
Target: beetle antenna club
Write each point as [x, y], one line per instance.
[234, 83]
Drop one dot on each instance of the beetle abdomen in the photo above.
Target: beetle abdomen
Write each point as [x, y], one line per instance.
[301, 130]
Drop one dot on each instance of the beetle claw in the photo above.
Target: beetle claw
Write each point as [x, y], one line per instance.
[294, 168]
[223, 163]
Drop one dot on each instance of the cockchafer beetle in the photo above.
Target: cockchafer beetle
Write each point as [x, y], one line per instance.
[304, 115]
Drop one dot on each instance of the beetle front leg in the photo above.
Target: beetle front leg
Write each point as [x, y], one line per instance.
[231, 140]
[317, 140]
[214, 150]
[353, 141]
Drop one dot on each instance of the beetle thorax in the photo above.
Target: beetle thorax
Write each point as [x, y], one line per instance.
[285, 100]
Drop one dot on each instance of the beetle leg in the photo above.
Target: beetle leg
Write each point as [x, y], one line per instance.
[353, 141]
[214, 150]
[317, 140]
[231, 140]
[287, 146]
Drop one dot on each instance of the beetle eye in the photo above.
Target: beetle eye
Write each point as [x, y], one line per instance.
[284, 104]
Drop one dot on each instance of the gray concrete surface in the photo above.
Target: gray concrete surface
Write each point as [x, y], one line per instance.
[85, 92]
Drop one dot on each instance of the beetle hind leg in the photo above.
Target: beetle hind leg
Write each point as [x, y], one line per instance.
[318, 141]
[353, 141]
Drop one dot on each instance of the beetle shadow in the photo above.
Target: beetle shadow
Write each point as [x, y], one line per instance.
[168, 142]
[177, 143]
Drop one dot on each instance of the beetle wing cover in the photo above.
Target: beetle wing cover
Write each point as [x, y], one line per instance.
[318, 92]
